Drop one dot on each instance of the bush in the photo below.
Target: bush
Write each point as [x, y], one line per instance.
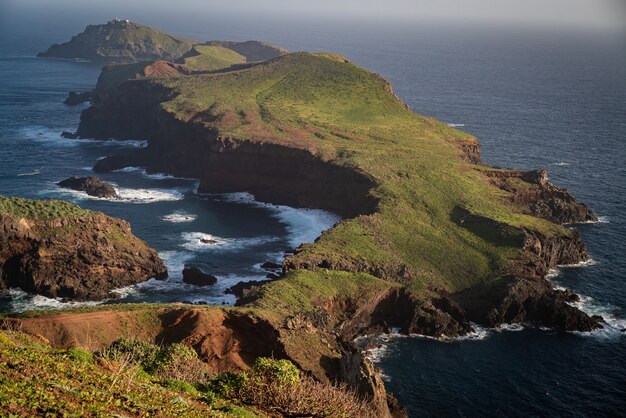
[275, 386]
[281, 372]
[229, 384]
[179, 362]
[174, 361]
[139, 352]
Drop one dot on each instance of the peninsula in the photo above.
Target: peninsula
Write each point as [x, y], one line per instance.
[432, 239]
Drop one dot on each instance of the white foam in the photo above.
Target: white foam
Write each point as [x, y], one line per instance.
[303, 225]
[586, 263]
[510, 327]
[32, 173]
[141, 196]
[601, 220]
[43, 134]
[131, 143]
[125, 195]
[22, 301]
[175, 261]
[179, 217]
[613, 326]
[561, 164]
[154, 176]
[455, 125]
[200, 241]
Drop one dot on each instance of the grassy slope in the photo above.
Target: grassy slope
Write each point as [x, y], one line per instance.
[37, 380]
[40, 209]
[210, 58]
[347, 115]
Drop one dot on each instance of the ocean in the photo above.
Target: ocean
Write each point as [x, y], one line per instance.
[534, 100]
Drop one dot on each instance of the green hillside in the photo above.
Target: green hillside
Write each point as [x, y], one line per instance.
[210, 58]
[349, 117]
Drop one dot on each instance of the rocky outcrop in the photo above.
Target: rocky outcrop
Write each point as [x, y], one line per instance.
[358, 372]
[74, 257]
[533, 191]
[91, 185]
[74, 98]
[197, 277]
[120, 41]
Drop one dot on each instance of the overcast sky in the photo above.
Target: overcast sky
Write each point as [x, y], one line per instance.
[557, 13]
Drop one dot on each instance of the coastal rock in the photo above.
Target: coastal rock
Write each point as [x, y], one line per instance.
[268, 265]
[69, 135]
[74, 98]
[532, 190]
[245, 291]
[55, 249]
[358, 372]
[92, 185]
[195, 276]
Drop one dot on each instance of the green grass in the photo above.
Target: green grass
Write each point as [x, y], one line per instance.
[36, 380]
[210, 58]
[40, 209]
[350, 117]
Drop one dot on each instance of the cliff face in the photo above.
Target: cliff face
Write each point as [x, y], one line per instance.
[300, 176]
[433, 239]
[79, 258]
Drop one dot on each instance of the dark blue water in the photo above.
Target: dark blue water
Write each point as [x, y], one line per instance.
[556, 101]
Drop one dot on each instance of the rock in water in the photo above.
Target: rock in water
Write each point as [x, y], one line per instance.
[74, 98]
[92, 185]
[197, 277]
[56, 249]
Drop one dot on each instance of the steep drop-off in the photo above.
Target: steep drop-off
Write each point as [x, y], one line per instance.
[55, 249]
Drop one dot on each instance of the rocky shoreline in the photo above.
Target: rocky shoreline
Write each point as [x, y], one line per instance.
[223, 164]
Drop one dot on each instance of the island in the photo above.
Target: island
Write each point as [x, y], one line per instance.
[432, 239]
[123, 41]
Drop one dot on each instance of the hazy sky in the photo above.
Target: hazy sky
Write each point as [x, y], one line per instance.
[555, 13]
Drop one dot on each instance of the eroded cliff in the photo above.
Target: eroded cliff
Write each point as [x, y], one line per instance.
[55, 249]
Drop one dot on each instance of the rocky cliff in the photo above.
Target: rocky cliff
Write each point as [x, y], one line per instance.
[432, 240]
[69, 253]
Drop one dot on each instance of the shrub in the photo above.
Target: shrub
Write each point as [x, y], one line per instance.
[229, 384]
[179, 362]
[139, 352]
[175, 361]
[275, 386]
[281, 372]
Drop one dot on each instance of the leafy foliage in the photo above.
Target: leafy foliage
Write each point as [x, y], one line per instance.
[277, 387]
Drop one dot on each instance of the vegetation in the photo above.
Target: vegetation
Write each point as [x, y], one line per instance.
[277, 387]
[350, 117]
[137, 378]
[36, 380]
[210, 58]
[39, 209]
